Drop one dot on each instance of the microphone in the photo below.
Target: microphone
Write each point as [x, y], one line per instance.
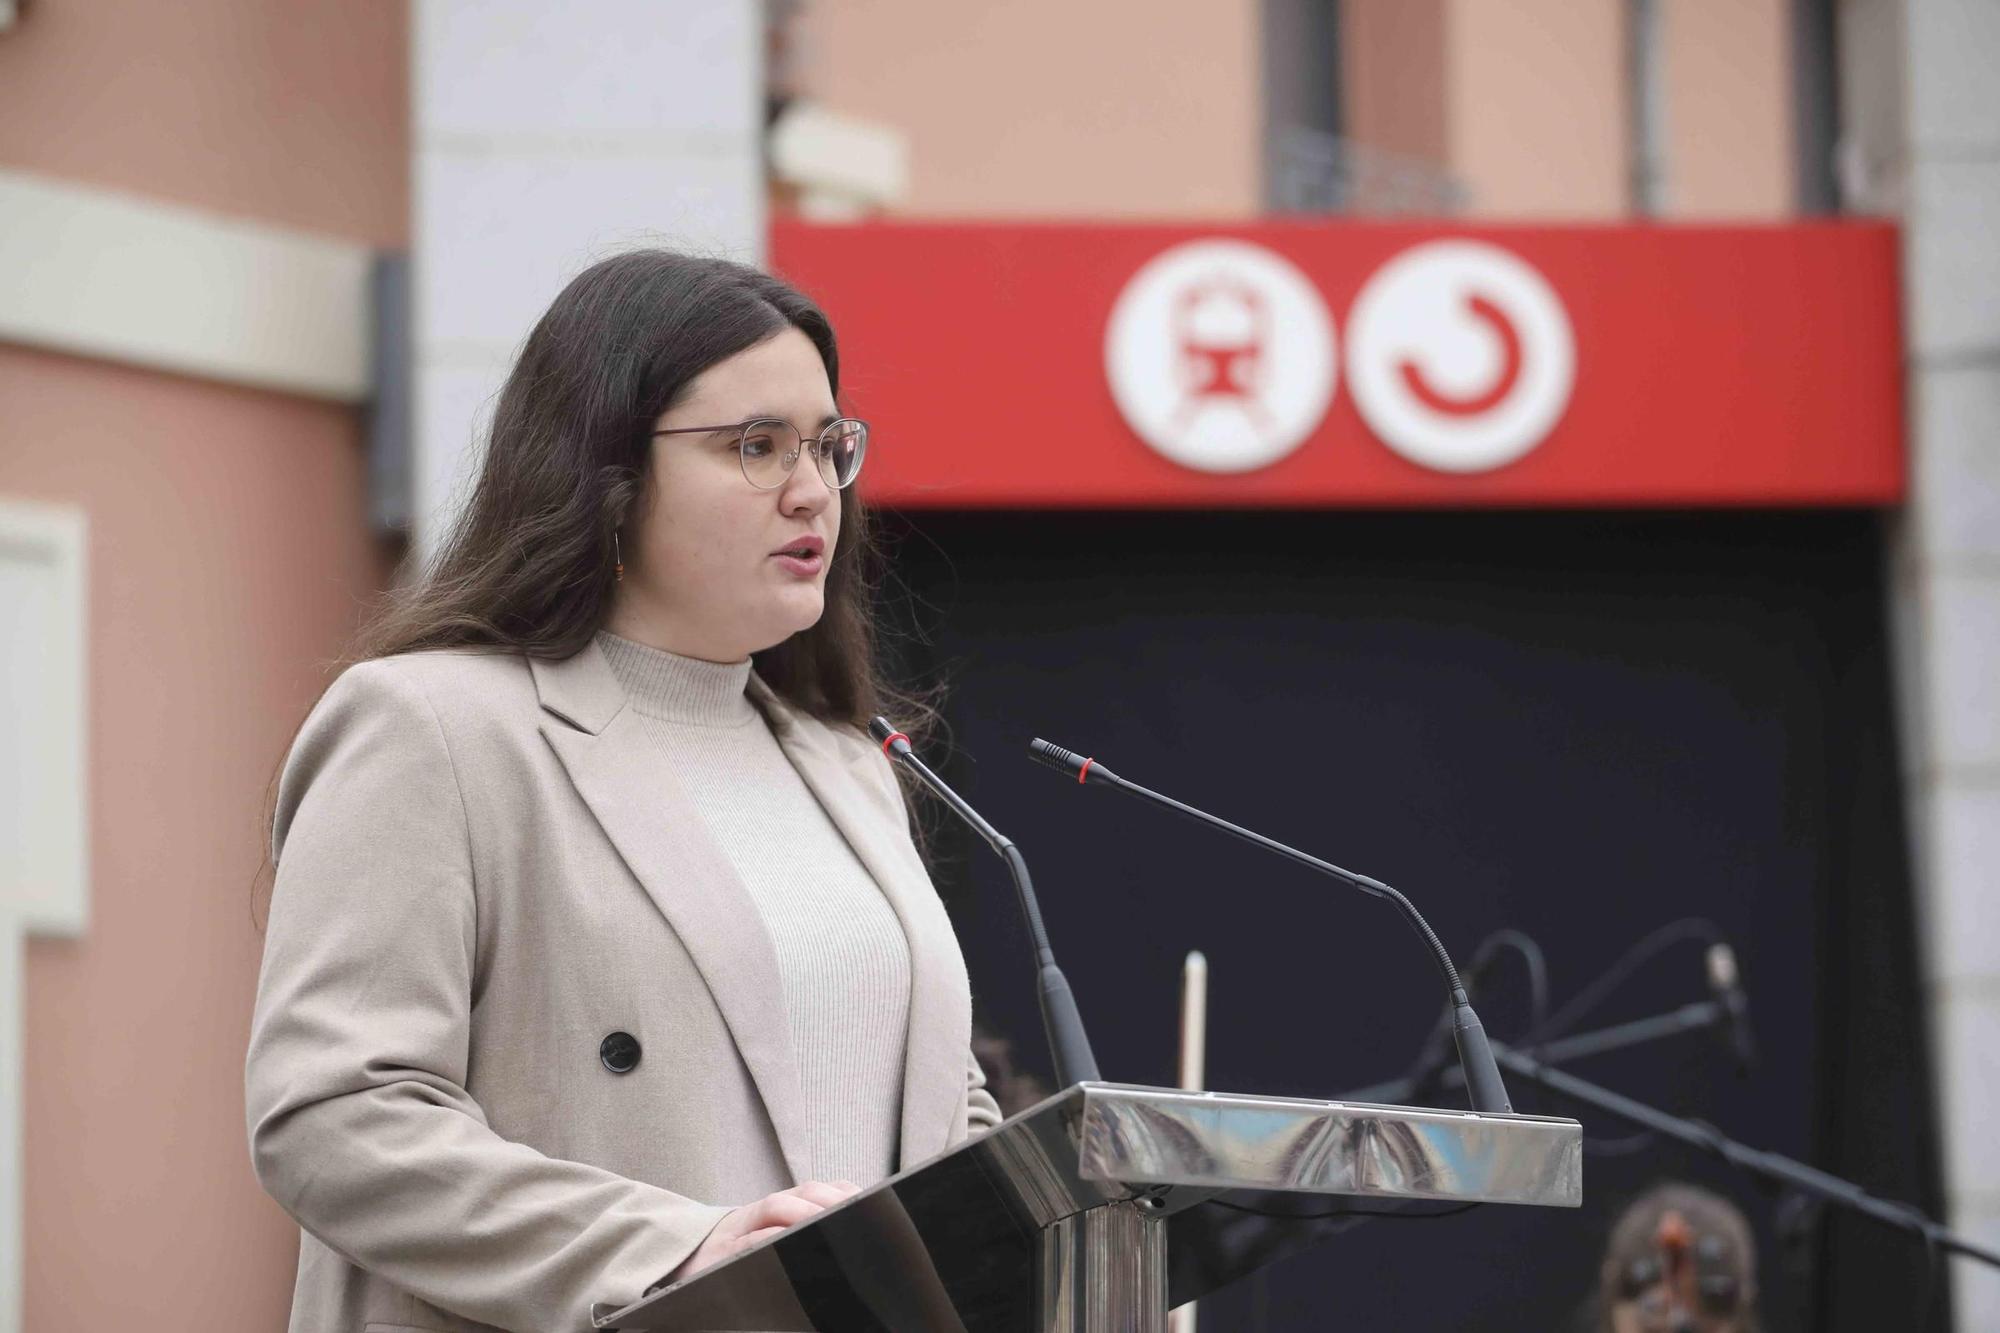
[1069, 1047]
[1725, 983]
[1475, 1053]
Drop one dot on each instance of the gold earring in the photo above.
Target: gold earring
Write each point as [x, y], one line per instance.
[618, 557]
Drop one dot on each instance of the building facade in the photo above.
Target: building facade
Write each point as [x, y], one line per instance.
[265, 266]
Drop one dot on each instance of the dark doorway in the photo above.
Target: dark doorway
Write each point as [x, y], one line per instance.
[1581, 726]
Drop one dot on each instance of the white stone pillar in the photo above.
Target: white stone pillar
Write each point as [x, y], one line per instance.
[1923, 137]
[544, 137]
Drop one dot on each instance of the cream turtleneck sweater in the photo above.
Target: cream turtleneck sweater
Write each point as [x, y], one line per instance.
[837, 938]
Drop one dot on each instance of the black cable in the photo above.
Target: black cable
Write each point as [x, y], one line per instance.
[1532, 957]
[1431, 1057]
[1537, 965]
[1544, 1027]
[1674, 932]
[1435, 1052]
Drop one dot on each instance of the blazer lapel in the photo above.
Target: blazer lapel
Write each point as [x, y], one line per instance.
[940, 1028]
[659, 833]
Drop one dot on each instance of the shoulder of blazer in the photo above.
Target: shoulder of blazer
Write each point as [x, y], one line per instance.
[494, 669]
[413, 701]
[471, 692]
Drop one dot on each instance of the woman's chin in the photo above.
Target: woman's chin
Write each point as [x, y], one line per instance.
[797, 610]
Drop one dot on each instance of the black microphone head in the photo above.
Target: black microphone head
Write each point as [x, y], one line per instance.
[1055, 756]
[1081, 767]
[894, 743]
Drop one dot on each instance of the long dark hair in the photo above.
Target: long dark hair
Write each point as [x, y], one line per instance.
[528, 566]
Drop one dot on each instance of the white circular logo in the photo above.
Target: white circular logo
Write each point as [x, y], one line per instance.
[1460, 355]
[1221, 356]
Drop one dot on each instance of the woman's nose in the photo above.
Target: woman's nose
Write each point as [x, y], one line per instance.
[804, 489]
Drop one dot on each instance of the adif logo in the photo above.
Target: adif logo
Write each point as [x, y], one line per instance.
[1221, 356]
[1460, 356]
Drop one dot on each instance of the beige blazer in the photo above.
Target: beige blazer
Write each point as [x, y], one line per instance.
[481, 875]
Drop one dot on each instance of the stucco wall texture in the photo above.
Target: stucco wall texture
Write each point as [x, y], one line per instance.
[228, 555]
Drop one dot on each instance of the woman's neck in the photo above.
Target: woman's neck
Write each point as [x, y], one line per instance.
[628, 620]
[675, 688]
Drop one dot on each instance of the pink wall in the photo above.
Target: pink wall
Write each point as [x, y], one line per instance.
[293, 113]
[1392, 76]
[228, 555]
[1522, 102]
[1536, 107]
[1729, 130]
[1112, 108]
[1119, 109]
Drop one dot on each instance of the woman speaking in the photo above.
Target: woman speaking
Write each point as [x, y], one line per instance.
[599, 948]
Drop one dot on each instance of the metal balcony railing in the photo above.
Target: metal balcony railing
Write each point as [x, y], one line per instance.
[1316, 172]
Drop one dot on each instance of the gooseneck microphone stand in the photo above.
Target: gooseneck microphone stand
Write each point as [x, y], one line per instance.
[1482, 1074]
[1069, 1047]
[1540, 1068]
[1770, 1165]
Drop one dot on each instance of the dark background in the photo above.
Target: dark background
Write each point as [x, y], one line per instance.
[1582, 726]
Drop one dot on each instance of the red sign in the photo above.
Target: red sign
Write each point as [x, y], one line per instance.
[1310, 364]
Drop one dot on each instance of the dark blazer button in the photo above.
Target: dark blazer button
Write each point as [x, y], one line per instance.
[620, 1052]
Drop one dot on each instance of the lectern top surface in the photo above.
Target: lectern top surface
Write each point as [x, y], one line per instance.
[955, 1243]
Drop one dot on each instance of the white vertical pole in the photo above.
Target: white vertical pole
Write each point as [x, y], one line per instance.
[1193, 1073]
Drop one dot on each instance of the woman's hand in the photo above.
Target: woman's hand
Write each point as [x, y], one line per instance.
[743, 1227]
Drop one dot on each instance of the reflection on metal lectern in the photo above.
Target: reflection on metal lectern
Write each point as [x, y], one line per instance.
[1103, 1207]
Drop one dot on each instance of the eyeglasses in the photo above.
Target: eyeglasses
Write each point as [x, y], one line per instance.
[769, 449]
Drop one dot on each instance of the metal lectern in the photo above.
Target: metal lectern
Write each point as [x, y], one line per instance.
[1104, 1206]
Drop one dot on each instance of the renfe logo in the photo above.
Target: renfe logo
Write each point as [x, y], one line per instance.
[1221, 356]
[1456, 355]
[1460, 355]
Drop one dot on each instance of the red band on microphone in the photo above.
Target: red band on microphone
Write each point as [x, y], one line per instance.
[1083, 774]
[892, 738]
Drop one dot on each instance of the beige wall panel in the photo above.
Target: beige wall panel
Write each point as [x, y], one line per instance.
[293, 113]
[1115, 108]
[118, 277]
[1392, 75]
[227, 556]
[1536, 114]
[1728, 78]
